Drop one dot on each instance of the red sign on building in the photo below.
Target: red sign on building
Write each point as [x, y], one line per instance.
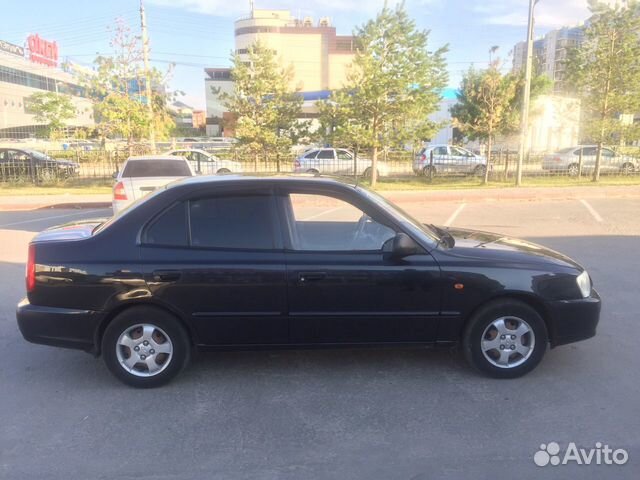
[42, 51]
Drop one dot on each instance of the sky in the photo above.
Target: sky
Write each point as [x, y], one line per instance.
[194, 34]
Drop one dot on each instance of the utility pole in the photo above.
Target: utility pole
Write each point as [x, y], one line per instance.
[524, 121]
[147, 78]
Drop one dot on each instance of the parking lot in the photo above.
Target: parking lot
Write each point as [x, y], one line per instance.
[379, 413]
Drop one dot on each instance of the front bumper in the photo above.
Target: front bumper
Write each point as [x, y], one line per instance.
[573, 320]
[59, 327]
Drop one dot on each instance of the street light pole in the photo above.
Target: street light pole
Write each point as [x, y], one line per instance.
[147, 77]
[524, 121]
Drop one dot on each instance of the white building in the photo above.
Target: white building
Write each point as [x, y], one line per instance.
[24, 71]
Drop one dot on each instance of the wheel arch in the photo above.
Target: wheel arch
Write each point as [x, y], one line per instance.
[527, 298]
[117, 310]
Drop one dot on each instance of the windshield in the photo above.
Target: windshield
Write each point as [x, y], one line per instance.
[38, 155]
[399, 214]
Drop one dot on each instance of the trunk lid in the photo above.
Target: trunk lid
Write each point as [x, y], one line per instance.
[69, 231]
[141, 186]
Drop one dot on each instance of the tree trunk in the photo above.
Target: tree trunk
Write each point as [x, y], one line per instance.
[486, 169]
[374, 167]
[374, 156]
[596, 170]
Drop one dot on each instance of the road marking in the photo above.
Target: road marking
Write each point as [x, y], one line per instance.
[591, 210]
[326, 212]
[39, 219]
[454, 215]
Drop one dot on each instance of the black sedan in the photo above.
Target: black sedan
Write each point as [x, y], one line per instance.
[243, 262]
[15, 163]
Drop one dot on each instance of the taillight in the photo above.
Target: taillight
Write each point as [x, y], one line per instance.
[296, 164]
[119, 192]
[423, 157]
[31, 268]
[557, 159]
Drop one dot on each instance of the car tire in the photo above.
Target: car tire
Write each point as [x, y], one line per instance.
[223, 171]
[313, 171]
[480, 170]
[500, 327]
[426, 171]
[573, 170]
[627, 169]
[130, 330]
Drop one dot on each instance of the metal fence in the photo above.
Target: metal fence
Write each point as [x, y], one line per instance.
[62, 165]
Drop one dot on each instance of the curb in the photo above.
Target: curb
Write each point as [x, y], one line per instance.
[49, 206]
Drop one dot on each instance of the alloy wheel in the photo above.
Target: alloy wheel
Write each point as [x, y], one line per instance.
[144, 350]
[507, 342]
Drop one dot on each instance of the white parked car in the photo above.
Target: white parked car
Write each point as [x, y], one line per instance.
[206, 163]
[336, 161]
[448, 159]
[140, 176]
[567, 161]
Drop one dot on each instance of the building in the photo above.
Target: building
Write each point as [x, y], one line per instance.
[31, 69]
[550, 53]
[320, 58]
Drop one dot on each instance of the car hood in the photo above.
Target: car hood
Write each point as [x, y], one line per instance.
[492, 246]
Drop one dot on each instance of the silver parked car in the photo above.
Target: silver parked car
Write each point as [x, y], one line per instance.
[336, 161]
[448, 159]
[567, 161]
[140, 176]
[206, 163]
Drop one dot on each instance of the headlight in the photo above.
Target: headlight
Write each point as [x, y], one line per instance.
[584, 284]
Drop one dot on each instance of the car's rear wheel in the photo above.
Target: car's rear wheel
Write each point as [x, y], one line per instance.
[224, 171]
[313, 171]
[505, 339]
[627, 169]
[145, 347]
[573, 170]
[480, 170]
[426, 171]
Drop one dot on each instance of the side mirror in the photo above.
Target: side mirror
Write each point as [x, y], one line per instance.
[115, 175]
[403, 246]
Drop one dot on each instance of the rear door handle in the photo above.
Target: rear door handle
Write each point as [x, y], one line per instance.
[305, 277]
[166, 275]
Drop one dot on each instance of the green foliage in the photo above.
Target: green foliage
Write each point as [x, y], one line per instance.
[486, 106]
[53, 109]
[265, 109]
[393, 86]
[121, 111]
[605, 70]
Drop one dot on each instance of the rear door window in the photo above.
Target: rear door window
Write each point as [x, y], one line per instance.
[232, 222]
[156, 168]
[170, 228]
[326, 154]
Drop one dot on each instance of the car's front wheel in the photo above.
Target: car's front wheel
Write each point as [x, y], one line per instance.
[505, 339]
[145, 347]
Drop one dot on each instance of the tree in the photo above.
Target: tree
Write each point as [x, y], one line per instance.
[395, 81]
[264, 107]
[485, 106]
[605, 69]
[51, 108]
[117, 89]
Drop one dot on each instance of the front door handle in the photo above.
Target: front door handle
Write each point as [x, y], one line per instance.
[166, 275]
[305, 277]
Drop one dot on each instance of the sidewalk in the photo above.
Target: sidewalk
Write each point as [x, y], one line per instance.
[35, 202]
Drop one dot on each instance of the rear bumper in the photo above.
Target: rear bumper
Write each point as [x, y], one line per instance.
[574, 320]
[59, 327]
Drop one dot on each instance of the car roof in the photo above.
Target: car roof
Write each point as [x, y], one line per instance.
[153, 157]
[188, 150]
[283, 179]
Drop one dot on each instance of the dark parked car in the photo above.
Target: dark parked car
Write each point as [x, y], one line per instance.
[17, 162]
[237, 262]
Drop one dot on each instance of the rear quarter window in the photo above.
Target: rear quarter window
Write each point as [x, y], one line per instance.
[156, 168]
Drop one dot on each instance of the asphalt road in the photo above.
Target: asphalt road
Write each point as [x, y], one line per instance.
[338, 414]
